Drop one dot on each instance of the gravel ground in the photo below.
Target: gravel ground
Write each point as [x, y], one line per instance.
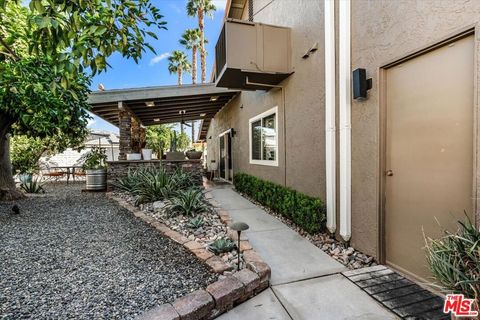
[78, 255]
[212, 229]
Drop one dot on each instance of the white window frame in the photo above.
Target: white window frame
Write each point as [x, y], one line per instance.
[273, 163]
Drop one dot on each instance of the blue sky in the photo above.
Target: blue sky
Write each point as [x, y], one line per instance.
[151, 70]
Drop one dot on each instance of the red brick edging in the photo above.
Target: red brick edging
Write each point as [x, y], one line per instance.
[219, 296]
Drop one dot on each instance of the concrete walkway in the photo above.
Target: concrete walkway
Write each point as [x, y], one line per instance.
[306, 283]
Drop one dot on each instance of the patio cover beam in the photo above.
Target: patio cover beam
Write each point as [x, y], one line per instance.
[164, 103]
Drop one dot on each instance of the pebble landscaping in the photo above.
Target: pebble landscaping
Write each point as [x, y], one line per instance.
[212, 229]
[78, 255]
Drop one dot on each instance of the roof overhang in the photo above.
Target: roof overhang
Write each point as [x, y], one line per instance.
[158, 105]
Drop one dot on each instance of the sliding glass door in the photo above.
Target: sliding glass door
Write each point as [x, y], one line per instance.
[226, 165]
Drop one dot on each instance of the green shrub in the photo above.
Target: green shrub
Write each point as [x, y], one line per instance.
[188, 203]
[219, 246]
[454, 260]
[196, 223]
[153, 184]
[33, 186]
[307, 212]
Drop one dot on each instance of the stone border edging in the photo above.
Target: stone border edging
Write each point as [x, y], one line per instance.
[219, 296]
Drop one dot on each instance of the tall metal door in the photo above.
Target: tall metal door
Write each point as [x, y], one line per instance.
[429, 151]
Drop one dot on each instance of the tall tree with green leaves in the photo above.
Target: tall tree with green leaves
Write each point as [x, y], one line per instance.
[200, 9]
[158, 138]
[178, 63]
[48, 53]
[191, 39]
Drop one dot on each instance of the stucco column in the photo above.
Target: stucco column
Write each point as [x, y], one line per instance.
[135, 135]
[125, 133]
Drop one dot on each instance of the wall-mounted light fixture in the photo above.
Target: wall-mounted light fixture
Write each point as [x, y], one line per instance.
[213, 98]
[156, 119]
[150, 103]
[310, 51]
[361, 84]
[203, 114]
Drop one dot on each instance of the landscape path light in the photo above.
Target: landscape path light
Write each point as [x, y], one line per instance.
[239, 227]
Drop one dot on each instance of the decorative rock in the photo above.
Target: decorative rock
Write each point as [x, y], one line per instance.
[193, 245]
[203, 254]
[195, 305]
[164, 312]
[225, 292]
[175, 236]
[158, 205]
[250, 281]
[218, 265]
[251, 256]
[245, 245]
[261, 269]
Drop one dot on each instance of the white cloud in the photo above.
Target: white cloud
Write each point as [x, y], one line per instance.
[220, 4]
[175, 7]
[159, 58]
[90, 123]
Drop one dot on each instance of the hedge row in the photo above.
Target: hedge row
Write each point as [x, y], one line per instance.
[307, 212]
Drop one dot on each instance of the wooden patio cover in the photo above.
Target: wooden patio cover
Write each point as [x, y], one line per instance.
[157, 105]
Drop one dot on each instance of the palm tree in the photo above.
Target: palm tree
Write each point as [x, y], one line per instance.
[191, 40]
[200, 8]
[178, 63]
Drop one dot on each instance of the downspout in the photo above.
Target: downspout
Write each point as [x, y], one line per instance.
[345, 120]
[330, 138]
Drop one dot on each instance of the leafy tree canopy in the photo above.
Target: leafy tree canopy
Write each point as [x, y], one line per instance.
[48, 52]
[158, 138]
[183, 141]
[47, 48]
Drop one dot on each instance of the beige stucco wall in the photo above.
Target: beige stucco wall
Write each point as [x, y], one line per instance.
[383, 31]
[304, 96]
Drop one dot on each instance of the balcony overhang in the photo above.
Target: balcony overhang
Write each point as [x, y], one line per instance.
[159, 105]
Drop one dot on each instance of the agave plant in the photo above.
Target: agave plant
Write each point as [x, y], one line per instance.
[33, 186]
[129, 182]
[195, 223]
[454, 260]
[183, 180]
[219, 246]
[154, 185]
[188, 203]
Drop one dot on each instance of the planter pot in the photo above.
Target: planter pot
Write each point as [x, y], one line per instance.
[147, 154]
[134, 156]
[176, 155]
[193, 155]
[25, 177]
[96, 179]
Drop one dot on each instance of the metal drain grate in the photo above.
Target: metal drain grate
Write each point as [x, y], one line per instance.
[398, 294]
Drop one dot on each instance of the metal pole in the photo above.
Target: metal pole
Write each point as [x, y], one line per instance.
[238, 265]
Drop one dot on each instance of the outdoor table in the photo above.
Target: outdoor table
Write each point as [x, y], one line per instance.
[69, 170]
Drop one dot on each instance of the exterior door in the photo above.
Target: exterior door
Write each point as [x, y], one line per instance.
[223, 157]
[226, 168]
[429, 151]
